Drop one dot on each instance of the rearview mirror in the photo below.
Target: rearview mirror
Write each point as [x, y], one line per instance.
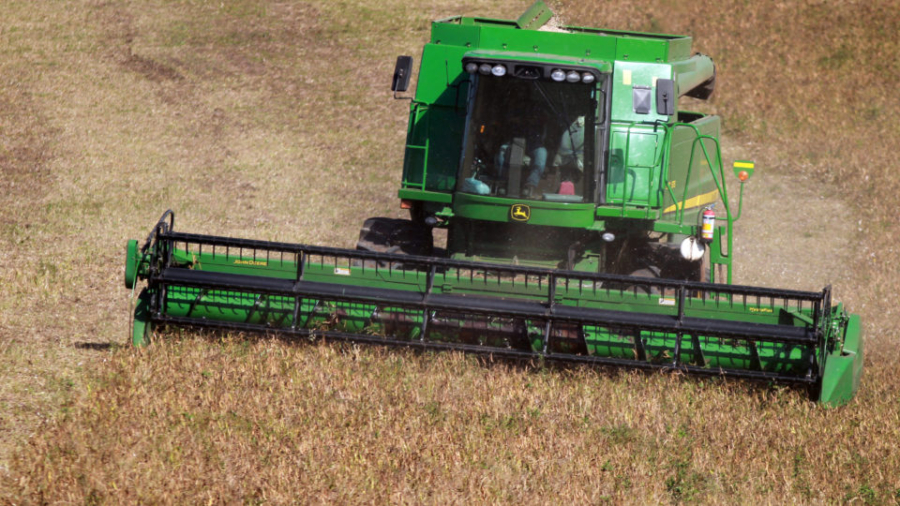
[402, 72]
[665, 97]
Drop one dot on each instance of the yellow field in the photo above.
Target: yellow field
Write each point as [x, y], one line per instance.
[273, 120]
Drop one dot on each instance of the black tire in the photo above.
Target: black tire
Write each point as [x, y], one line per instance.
[651, 272]
[402, 237]
[674, 266]
[417, 213]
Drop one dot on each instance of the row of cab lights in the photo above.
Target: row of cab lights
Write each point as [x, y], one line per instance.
[557, 75]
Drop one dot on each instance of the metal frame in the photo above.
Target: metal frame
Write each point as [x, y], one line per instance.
[162, 275]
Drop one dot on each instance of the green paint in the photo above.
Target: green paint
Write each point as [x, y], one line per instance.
[841, 351]
[142, 328]
[640, 166]
[475, 136]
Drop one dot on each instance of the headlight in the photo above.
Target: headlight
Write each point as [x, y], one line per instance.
[573, 77]
[485, 68]
[471, 67]
[587, 78]
[498, 70]
[692, 249]
[558, 75]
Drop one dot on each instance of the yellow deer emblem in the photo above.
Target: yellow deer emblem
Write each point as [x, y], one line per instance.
[520, 212]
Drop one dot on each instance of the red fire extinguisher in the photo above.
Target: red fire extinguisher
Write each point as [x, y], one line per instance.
[708, 225]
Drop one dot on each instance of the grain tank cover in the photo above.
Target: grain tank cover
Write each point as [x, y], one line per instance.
[530, 34]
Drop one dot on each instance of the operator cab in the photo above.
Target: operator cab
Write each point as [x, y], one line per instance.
[533, 132]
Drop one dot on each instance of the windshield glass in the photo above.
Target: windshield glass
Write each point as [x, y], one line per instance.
[530, 139]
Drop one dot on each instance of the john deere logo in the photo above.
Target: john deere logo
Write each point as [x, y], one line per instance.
[520, 212]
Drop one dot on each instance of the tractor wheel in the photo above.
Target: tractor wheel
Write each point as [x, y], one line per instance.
[399, 237]
[417, 213]
[651, 272]
[674, 266]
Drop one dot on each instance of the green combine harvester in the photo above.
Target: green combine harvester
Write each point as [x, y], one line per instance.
[587, 221]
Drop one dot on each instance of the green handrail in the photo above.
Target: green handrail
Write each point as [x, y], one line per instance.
[720, 180]
[417, 111]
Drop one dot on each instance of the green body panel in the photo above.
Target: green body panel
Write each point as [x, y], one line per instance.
[844, 366]
[141, 327]
[132, 259]
[602, 44]
[635, 165]
[689, 184]
[441, 72]
[425, 196]
[478, 207]
[629, 74]
[665, 173]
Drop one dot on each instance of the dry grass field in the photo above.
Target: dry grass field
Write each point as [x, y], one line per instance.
[273, 120]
